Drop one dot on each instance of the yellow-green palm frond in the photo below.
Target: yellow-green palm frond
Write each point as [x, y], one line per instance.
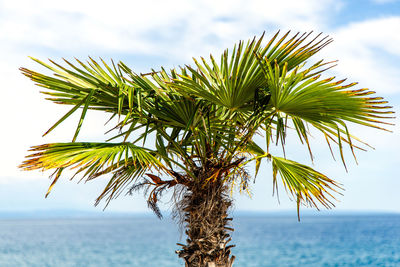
[124, 160]
[306, 185]
[84, 155]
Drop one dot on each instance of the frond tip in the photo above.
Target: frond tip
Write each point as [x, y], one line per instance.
[305, 184]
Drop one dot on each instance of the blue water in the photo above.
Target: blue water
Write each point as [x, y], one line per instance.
[261, 240]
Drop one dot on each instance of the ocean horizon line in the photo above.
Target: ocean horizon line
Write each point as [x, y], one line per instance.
[78, 213]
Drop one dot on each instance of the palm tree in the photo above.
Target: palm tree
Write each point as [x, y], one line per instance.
[191, 131]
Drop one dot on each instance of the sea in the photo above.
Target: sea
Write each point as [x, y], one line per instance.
[141, 240]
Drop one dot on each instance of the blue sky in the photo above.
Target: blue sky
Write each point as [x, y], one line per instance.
[150, 34]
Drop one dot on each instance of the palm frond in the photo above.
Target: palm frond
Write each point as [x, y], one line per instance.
[306, 185]
[233, 82]
[323, 103]
[89, 86]
[94, 159]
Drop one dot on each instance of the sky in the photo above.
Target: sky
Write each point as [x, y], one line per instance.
[150, 34]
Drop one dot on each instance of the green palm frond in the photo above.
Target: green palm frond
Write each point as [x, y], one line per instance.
[96, 87]
[323, 103]
[233, 82]
[83, 155]
[88, 87]
[93, 159]
[305, 184]
[321, 100]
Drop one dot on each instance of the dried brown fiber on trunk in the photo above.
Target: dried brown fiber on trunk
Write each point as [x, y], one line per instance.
[206, 220]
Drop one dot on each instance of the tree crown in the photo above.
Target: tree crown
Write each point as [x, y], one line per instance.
[197, 124]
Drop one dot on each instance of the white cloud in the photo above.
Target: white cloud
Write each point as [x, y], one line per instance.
[369, 52]
[153, 27]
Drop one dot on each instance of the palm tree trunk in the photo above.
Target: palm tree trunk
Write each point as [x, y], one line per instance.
[205, 208]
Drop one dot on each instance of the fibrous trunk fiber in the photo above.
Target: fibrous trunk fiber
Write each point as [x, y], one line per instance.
[205, 210]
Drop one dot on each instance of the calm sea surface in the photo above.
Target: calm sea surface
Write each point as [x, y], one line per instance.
[261, 240]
